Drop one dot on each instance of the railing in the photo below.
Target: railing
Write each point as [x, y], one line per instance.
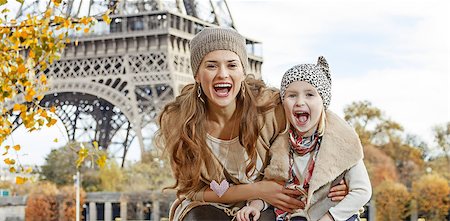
[158, 22]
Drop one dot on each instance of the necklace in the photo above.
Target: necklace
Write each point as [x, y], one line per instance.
[221, 188]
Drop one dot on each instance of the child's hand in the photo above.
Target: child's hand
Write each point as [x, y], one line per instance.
[244, 213]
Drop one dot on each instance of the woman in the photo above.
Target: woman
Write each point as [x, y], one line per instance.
[218, 132]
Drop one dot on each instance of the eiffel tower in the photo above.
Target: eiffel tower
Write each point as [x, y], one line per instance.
[112, 84]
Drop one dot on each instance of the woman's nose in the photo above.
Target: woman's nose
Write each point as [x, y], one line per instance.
[223, 72]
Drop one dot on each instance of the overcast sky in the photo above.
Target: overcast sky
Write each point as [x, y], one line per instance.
[395, 54]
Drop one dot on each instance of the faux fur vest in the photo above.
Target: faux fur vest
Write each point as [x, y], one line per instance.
[339, 151]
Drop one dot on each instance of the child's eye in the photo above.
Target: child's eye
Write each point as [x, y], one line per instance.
[291, 95]
[310, 94]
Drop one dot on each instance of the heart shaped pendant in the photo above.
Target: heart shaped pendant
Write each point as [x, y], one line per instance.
[221, 188]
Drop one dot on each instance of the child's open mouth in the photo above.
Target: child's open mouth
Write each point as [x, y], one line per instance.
[301, 116]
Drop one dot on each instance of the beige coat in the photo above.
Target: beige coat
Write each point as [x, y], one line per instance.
[273, 122]
[339, 151]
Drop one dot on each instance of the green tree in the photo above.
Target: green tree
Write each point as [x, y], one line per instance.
[62, 164]
[59, 166]
[392, 201]
[431, 193]
[112, 177]
[152, 173]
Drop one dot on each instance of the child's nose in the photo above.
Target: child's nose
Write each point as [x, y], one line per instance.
[300, 103]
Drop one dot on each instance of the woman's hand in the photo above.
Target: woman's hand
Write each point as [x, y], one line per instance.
[338, 192]
[278, 196]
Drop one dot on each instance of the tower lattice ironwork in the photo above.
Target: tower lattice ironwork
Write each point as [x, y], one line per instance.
[111, 85]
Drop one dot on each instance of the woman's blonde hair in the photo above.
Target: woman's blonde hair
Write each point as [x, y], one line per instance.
[182, 131]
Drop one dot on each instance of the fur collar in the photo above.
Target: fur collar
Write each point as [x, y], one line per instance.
[339, 151]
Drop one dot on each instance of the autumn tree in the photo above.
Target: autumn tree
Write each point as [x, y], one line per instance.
[391, 201]
[408, 161]
[439, 165]
[386, 135]
[28, 46]
[42, 204]
[442, 138]
[67, 203]
[370, 123]
[379, 166]
[432, 194]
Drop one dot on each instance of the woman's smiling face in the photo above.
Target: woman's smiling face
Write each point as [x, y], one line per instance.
[220, 75]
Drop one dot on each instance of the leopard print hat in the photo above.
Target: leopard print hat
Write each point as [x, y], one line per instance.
[318, 75]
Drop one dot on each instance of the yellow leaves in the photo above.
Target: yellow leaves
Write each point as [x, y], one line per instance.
[53, 109]
[21, 69]
[95, 152]
[82, 154]
[32, 54]
[20, 107]
[28, 170]
[56, 2]
[86, 20]
[9, 161]
[16, 147]
[43, 79]
[106, 18]
[48, 13]
[29, 94]
[51, 122]
[21, 180]
[101, 160]
[27, 47]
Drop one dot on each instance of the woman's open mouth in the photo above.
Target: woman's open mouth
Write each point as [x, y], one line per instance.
[222, 89]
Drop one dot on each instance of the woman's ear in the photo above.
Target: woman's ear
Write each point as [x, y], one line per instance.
[196, 79]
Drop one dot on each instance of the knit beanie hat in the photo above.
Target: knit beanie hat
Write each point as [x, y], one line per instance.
[318, 75]
[211, 39]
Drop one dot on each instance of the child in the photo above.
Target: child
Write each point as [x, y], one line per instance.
[323, 148]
